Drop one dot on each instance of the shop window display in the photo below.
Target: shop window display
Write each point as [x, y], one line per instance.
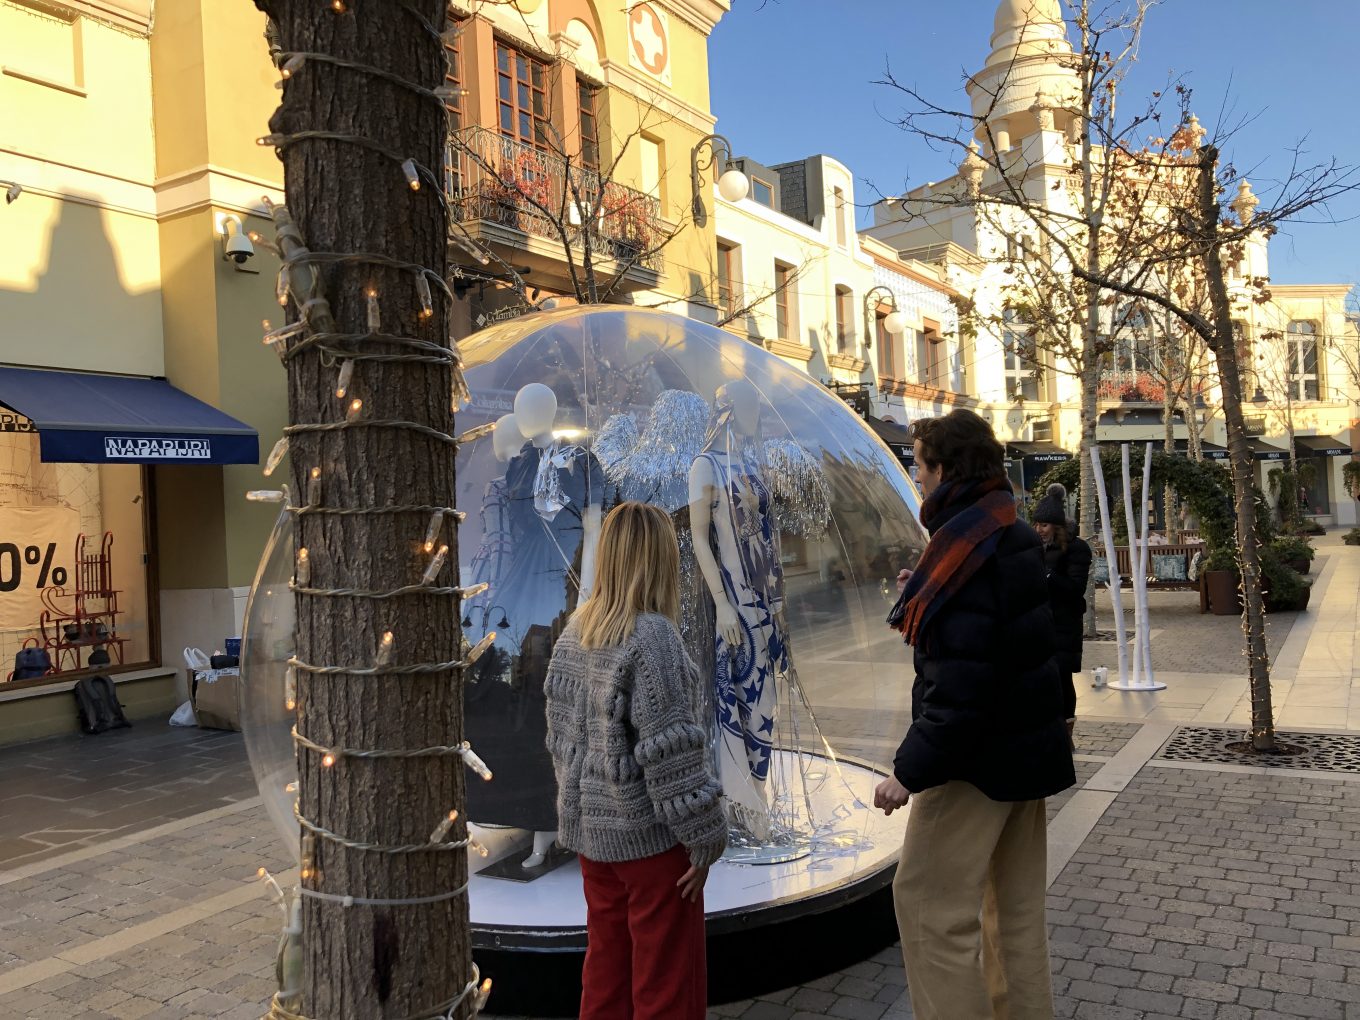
[73, 579]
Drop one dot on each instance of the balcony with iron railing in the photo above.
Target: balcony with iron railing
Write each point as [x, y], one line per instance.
[502, 191]
[1125, 386]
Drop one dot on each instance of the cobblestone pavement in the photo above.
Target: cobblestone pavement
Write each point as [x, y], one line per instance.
[1178, 889]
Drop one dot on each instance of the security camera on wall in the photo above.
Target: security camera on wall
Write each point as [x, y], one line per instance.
[236, 246]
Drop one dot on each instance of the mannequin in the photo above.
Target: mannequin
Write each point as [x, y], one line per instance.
[560, 490]
[736, 544]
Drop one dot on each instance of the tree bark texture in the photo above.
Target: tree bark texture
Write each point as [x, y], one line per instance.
[1223, 343]
[363, 960]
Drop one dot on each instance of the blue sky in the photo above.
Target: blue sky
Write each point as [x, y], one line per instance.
[795, 77]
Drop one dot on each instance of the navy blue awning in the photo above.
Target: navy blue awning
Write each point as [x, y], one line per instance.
[82, 418]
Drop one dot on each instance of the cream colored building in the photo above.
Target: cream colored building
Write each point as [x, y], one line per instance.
[1021, 95]
[796, 277]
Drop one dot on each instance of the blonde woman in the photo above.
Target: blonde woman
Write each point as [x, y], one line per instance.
[636, 796]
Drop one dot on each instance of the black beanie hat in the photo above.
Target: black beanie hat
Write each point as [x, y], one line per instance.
[1052, 509]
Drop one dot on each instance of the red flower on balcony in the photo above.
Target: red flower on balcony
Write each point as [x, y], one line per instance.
[625, 218]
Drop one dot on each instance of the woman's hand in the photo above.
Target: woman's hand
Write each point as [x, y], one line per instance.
[691, 883]
[726, 621]
[890, 795]
[903, 576]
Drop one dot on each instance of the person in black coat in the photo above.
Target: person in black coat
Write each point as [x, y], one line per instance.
[987, 742]
[1068, 560]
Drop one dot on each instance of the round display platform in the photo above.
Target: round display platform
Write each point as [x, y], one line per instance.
[769, 925]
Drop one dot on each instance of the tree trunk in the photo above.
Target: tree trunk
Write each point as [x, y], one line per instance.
[1169, 446]
[1090, 332]
[409, 958]
[1224, 347]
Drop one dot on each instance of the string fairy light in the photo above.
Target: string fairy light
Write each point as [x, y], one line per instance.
[313, 329]
[275, 456]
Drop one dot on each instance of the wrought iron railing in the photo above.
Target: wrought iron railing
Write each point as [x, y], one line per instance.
[496, 179]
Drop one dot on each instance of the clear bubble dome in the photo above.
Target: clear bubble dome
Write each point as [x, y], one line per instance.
[639, 397]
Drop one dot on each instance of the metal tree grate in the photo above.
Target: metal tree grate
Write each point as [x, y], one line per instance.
[1326, 752]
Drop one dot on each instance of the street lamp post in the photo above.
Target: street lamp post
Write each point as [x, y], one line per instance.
[894, 322]
[732, 183]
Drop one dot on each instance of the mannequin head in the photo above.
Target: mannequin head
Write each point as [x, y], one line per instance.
[735, 417]
[507, 440]
[535, 411]
[744, 399]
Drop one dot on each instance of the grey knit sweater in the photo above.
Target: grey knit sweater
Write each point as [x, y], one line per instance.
[629, 751]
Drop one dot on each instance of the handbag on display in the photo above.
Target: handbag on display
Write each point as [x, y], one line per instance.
[31, 661]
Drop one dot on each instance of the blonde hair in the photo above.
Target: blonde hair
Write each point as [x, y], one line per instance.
[637, 571]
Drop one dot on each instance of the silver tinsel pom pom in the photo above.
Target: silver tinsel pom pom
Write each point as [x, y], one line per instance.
[802, 498]
[615, 440]
[657, 469]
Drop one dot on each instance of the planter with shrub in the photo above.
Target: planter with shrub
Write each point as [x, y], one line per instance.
[1295, 551]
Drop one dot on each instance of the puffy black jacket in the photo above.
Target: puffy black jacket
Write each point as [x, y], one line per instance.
[1068, 570]
[987, 705]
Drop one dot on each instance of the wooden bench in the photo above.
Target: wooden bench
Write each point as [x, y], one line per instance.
[1123, 562]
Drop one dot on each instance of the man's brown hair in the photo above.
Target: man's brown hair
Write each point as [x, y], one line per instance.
[962, 444]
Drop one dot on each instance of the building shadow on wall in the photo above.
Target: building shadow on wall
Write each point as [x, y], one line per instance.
[79, 312]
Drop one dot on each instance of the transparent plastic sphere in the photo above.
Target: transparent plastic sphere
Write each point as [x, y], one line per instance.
[266, 646]
[797, 500]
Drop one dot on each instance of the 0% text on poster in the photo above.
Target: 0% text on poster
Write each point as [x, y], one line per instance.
[37, 548]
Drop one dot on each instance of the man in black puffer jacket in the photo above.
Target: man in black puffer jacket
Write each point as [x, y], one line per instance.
[987, 743]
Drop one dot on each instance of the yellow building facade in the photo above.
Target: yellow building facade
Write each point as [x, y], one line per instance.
[129, 147]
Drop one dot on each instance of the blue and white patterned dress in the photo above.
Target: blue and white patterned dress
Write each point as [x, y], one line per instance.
[746, 677]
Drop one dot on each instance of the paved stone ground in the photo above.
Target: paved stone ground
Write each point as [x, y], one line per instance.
[1179, 889]
[63, 793]
[1184, 640]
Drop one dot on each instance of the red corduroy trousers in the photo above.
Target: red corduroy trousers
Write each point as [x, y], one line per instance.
[645, 944]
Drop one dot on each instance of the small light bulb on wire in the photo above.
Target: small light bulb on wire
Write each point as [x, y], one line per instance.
[372, 311]
[435, 565]
[275, 456]
[384, 656]
[329, 759]
[303, 571]
[355, 409]
[338, 6]
[408, 167]
[281, 286]
[343, 381]
[474, 761]
[290, 685]
[292, 65]
[265, 496]
[472, 591]
[432, 532]
[483, 994]
[479, 649]
[426, 299]
[314, 487]
[441, 833]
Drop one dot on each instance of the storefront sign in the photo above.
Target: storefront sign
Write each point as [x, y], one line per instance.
[144, 449]
[13, 421]
[37, 547]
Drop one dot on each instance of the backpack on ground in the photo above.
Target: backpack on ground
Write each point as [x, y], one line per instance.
[31, 661]
[97, 705]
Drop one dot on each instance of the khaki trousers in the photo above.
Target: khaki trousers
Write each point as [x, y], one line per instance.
[969, 895]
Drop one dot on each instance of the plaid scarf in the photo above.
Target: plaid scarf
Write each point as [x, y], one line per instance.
[965, 520]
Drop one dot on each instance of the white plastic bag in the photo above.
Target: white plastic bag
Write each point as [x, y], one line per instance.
[195, 658]
[184, 715]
